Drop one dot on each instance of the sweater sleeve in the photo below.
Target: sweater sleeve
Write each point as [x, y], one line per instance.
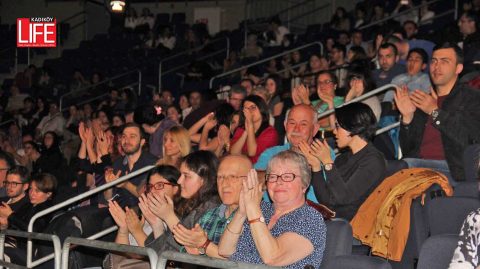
[338, 190]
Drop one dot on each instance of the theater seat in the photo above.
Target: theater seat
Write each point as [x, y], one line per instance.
[437, 251]
[339, 240]
[357, 262]
[445, 215]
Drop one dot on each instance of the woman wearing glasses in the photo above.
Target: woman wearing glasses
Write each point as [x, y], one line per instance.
[345, 183]
[256, 135]
[132, 229]
[287, 232]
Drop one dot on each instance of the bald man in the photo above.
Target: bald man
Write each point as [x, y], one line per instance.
[232, 171]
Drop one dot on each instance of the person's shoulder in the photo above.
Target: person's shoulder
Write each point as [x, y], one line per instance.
[148, 157]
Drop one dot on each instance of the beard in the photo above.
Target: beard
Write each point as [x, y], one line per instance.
[130, 151]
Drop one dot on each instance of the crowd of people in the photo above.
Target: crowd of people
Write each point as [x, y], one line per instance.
[243, 177]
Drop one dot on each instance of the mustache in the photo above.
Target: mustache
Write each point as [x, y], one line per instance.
[296, 134]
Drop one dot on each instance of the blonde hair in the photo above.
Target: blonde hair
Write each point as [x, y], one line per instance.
[182, 137]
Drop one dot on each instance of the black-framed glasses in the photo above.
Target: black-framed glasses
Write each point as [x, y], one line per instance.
[286, 177]
[229, 178]
[11, 183]
[159, 186]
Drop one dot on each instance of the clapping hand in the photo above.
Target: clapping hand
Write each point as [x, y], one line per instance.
[118, 215]
[424, 101]
[322, 151]
[110, 176]
[160, 205]
[252, 194]
[193, 238]
[134, 223]
[312, 160]
[147, 213]
[404, 104]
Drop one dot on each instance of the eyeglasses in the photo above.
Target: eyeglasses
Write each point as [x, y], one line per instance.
[229, 178]
[11, 183]
[325, 82]
[250, 108]
[159, 186]
[286, 177]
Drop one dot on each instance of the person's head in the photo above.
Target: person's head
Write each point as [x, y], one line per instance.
[356, 53]
[387, 56]
[150, 118]
[87, 110]
[6, 162]
[236, 95]
[275, 22]
[13, 129]
[326, 83]
[357, 75]
[132, 139]
[248, 85]
[338, 53]
[174, 113]
[166, 98]
[232, 171]
[343, 38]
[273, 84]
[163, 180]
[354, 121]
[258, 107]
[357, 37]
[296, 56]
[468, 23]
[410, 28]
[176, 142]
[301, 125]
[198, 177]
[417, 60]
[118, 120]
[51, 140]
[340, 12]
[195, 99]
[446, 64]
[28, 103]
[53, 108]
[379, 9]
[114, 94]
[30, 148]
[42, 188]
[235, 121]
[287, 178]
[16, 183]
[318, 62]
[27, 137]
[104, 117]
[399, 42]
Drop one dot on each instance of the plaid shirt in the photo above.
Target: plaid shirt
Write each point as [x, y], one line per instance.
[214, 222]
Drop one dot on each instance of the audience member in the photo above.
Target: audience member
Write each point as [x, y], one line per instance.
[389, 67]
[470, 42]
[176, 145]
[359, 84]
[16, 184]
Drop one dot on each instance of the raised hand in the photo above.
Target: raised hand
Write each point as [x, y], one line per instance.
[5, 210]
[81, 131]
[211, 122]
[252, 194]
[424, 101]
[193, 238]
[312, 160]
[322, 151]
[134, 223]
[327, 98]
[161, 206]
[153, 220]
[110, 176]
[404, 104]
[223, 134]
[118, 215]
[103, 143]
[303, 94]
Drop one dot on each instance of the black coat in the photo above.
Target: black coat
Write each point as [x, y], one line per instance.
[459, 125]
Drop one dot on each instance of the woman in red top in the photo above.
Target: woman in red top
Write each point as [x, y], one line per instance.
[256, 135]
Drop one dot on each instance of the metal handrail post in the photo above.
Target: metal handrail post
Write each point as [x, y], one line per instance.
[139, 82]
[360, 98]
[145, 251]
[456, 10]
[265, 60]
[387, 128]
[76, 199]
[2, 247]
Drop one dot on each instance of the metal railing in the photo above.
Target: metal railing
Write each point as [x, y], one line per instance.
[290, 20]
[402, 13]
[430, 21]
[169, 58]
[204, 261]
[73, 200]
[57, 246]
[144, 251]
[224, 74]
[138, 71]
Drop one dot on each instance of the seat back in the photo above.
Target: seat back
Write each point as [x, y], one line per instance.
[339, 239]
[445, 215]
[357, 262]
[437, 251]
[471, 162]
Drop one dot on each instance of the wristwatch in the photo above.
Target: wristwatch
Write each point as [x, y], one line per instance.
[203, 249]
[260, 219]
[328, 166]
[434, 114]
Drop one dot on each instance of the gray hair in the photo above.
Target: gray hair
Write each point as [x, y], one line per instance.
[314, 112]
[295, 158]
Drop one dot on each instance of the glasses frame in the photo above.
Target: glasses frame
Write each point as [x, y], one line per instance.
[153, 186]
[279, 177]
[229, 178]
[13, 184]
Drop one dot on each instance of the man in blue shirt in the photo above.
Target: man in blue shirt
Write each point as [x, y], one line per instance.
[301, 125]
[389, 68]
[414, 78]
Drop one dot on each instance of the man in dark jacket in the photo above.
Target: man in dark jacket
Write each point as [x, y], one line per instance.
[437, 127]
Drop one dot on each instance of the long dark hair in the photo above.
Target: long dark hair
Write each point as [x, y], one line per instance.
[264, 111]
[171, 174]
[205, 164]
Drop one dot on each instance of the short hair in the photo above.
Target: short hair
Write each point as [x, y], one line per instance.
[358, 119]
[420, 52]
[248, 80]
[45, 182]
[168, 172]
[340, 47]
[471, 15]
[393, 39]
[237, 89]
[333, 77]
[298, 159]
[7, 158]
[134, 125]
[388, 45]
[34, 145]
[450, 45]
[411, 22]
[21, 171]
[310, 108]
